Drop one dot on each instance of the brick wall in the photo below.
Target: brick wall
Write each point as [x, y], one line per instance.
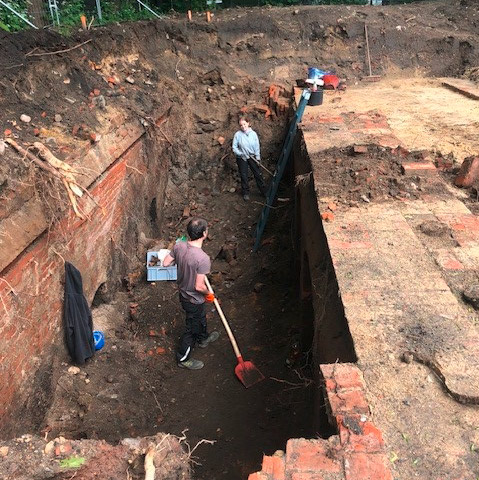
[356, 453]
[31, 287]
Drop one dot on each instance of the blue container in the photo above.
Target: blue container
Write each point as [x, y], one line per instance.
[315, 73]
[158, 273]
[99, 339]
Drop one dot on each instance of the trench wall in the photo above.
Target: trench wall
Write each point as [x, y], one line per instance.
[103, 247]
[322, 310]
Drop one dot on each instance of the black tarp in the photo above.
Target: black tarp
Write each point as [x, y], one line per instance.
[77, 317]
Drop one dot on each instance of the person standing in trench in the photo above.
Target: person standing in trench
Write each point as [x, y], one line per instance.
[247, 151]
[193, 266]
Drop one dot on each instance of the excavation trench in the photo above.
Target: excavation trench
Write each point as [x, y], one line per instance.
[283, 306]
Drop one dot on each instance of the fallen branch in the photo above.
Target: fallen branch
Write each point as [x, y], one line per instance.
[66, 171]
[30, 54]
[33, 158]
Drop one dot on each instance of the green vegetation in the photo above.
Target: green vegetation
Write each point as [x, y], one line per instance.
[10, 22]
[130, 10]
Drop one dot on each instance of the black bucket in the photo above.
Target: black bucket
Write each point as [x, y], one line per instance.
[316, 98]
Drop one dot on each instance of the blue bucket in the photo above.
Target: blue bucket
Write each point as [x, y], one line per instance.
[99, 339]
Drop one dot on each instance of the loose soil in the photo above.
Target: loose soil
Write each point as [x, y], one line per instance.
[376, 175]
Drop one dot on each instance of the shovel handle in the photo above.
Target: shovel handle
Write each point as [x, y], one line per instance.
[367, 48]
[262, 166]
[225, 322]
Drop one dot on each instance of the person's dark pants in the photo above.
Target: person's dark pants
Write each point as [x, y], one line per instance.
[243, 171]
[196, 330]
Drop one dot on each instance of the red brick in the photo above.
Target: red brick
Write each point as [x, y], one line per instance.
[344, 375]
[417, 168]
[278, 467]
[327, 216]
[360, 149]
[348, 402]
[387, 141]
[448, 261]
[358, 435]
[267, 465]
[311, 455]
[363, 466]
[465, 222]
[330, 385]
[259, 476]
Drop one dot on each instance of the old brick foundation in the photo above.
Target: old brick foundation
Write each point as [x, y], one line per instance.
[127, 174]
[356, 452]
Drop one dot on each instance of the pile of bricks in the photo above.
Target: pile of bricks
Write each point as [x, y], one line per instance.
[277, 102]
[356, 453]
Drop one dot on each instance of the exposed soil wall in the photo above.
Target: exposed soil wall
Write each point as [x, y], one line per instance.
[321, 300]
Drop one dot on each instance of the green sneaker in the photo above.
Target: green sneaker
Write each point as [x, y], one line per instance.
[213, 336]
[191, 364]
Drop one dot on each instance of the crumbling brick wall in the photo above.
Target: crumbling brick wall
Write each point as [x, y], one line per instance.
[133, 174]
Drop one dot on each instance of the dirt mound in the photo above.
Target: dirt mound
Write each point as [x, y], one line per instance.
[371, 174]
[30, 457]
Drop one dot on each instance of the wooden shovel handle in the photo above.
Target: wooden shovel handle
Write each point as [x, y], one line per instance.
[367, 49]
[225, 322]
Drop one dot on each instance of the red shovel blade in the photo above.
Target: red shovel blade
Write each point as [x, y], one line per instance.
[248, 374]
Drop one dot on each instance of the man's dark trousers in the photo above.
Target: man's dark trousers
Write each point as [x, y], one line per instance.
[243, 171]
[196, 330]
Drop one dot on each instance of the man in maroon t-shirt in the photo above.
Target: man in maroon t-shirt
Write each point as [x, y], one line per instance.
[193, 265]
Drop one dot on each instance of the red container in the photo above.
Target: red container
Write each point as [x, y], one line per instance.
[331, 82]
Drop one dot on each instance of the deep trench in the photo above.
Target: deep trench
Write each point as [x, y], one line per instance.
[284, 323]
[287, 330]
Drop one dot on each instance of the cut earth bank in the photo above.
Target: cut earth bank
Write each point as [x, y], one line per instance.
[129, 145]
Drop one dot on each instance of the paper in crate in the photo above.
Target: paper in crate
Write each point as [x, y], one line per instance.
[156, 273]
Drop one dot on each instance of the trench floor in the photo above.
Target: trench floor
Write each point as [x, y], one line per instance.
[133, 387]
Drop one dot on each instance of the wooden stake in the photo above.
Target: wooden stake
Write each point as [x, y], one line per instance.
[189, 15]
[208, 17]
[83, 22]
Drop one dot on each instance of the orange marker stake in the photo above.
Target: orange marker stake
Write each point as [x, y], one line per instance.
[208, 17]
[83, 22]
[189, 15]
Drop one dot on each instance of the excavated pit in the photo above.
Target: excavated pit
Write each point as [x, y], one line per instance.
[274, 323]
[157, 154]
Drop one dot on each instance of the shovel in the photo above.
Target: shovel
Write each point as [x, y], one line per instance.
[246, 372]
[261, 165]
